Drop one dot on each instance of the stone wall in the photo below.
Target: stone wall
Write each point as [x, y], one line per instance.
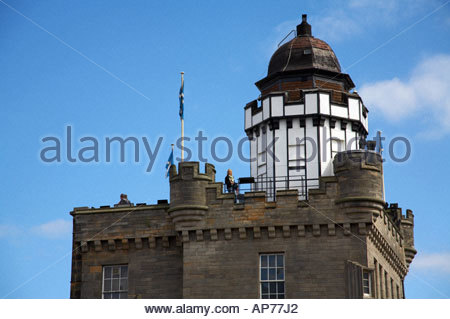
[227, 266]
[141, 237]
[204, 245]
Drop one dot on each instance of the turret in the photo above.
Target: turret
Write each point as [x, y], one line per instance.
[360, 183]
[407, 229]
[188, 193]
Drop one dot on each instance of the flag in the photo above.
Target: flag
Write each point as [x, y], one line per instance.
[181, 97]
[169, 163]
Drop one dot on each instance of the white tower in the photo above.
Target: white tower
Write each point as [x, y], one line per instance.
[303, 117]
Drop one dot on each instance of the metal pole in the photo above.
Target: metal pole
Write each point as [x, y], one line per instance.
[182, 121]
[182, 140]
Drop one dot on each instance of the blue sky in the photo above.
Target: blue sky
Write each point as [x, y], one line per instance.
[112, 68]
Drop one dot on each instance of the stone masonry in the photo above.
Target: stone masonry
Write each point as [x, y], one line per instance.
[204, 245]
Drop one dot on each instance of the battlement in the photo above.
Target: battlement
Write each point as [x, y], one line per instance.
[358, 159]
[409, 215]
[162, 204]
[191, 171]
[407, 228]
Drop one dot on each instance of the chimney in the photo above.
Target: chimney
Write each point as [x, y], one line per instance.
[304, 29]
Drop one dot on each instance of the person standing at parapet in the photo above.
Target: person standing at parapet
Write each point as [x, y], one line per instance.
[232, 186]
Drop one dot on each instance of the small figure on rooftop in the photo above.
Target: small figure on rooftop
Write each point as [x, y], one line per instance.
[232, 186]
[124, 200]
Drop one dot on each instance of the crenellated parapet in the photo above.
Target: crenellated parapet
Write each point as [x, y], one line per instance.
[405, 224]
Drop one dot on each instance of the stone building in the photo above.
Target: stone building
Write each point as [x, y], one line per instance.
[312, 223]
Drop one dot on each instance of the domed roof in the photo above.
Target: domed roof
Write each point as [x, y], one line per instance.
[304, 52]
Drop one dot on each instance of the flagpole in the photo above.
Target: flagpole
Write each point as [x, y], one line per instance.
[169, 162]
[182, 123]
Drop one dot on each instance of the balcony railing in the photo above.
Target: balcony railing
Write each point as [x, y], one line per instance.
[271, 185]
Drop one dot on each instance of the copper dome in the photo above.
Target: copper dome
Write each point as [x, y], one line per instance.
[304, 52]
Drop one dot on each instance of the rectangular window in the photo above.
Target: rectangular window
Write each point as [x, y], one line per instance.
[271, 276]
[380, 275]
[376, 281]
[398, 292]
[392, 288]
[386, 285]
[337, 145]
[367, 283]
[115, 282]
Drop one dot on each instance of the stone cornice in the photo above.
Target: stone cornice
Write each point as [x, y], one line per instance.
[124, 243]
[273, 231]
[139, 241]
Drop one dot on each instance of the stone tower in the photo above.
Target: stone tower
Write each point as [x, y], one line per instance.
[308, 227]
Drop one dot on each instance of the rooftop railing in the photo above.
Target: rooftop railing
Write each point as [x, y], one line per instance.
[270, 185]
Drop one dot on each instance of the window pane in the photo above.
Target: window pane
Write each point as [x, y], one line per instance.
[280, 262]
[263, 261]
[264, 274]
[115, 272]
[280, 287]
[107, 296]
[272, 261]
[115, 284]
[281, 296]
[124, 271]
[280, 274]
[107, 272]
[124, 295]
[107, 285]
[273, 287]
[123, 284]
[264, 287]
[115, 295]
[272, 274]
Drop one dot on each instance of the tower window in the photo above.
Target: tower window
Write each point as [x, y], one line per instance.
[376, 291]
[271, 276]
[380, 276]
[289, 123]
[367, 283]
[115, 282]
[392, 288]
[386, 285]
[337, 145]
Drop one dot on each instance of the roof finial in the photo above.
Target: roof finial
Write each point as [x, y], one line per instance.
[304, 29]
